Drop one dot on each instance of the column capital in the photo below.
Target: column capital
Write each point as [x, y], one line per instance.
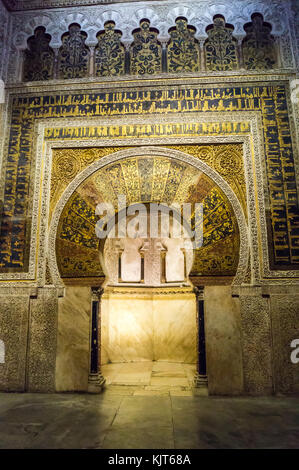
[198, 291]
[97, 292]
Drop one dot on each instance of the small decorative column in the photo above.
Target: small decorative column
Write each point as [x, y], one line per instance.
[202, 56]
[151, 250]
[91, 61]
[115, 263]
[127, 57]
[164, 55]
[200, 379]
[95, 379]
[2, 92]
[240, 53]
[56, 64]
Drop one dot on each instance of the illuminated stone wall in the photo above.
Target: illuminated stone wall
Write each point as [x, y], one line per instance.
[228, 117]
[151, 325]
[72, 359]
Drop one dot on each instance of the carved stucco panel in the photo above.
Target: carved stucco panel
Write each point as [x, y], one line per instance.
[43, 340]
[285, 326]
[13, 331]
[256, 343]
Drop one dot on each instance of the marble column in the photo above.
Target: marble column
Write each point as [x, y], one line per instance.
[201, 378]
[240, 53]
[127, 57]
[56, 63]
[151, 250]
[95, 379]
[2, 92]
[91, 61]
[164, 55]
[202, 54]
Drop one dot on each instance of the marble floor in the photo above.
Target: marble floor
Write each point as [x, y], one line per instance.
[120, 421]
[150, 378]
[153, 411]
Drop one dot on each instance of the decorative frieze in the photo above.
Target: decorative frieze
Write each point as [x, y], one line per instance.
[145, 56]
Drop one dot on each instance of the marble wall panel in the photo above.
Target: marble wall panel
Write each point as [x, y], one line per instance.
[175, 328]
[127, 327]
[72, 361]
[148, 327]
[223, 341]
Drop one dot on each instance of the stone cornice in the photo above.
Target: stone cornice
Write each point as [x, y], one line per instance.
[148, 81]
[21, 5]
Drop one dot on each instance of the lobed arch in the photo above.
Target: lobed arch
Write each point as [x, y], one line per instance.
[110, 265]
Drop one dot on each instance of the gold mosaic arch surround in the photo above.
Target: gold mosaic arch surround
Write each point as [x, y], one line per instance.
[149, 152]
[226, 159]
[247, 127]
[44, 146]
[143, 180]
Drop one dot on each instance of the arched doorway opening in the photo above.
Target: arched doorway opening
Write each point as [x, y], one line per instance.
[77, 249]
[148, 309]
